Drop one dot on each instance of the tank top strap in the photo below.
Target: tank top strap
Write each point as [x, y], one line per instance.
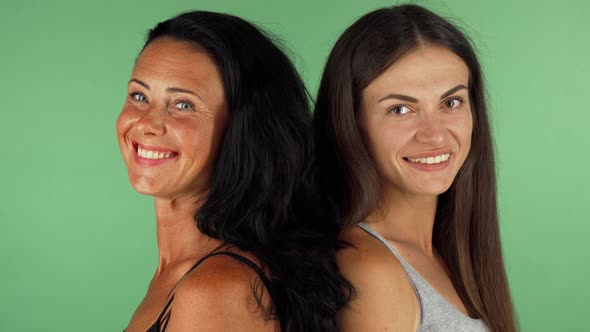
[200, 261]
[436, 313]
[252, 266]
[163, 318]
[410, 272]
[381, 239]
[162, 321]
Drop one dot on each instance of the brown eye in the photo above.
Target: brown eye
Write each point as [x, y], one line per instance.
[399, 110]
[453, 103]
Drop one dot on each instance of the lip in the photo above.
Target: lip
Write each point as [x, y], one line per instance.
[151, 147]
[151, 162]
[433, 153]
[430, 167]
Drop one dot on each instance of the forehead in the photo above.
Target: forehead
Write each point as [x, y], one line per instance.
[183, 62]
[427, 70]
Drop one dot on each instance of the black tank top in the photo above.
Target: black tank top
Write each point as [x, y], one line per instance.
[162, 322]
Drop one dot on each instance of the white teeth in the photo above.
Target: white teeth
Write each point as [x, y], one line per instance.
[431, 160]
[146, 154]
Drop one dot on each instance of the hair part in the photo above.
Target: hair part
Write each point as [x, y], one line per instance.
[466, 229]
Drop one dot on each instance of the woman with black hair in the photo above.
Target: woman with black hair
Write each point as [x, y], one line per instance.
[405, 153]
[216, 127]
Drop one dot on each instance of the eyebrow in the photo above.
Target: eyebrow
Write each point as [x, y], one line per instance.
[170, 89]
[414, 100]
[453, 90]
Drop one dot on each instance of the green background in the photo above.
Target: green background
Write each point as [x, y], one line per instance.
[77, 244]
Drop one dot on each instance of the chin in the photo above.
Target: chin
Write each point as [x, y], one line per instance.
[143, 190]
[143, 187]
[431, 190]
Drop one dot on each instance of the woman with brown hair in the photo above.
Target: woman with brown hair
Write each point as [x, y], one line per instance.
[405, 154]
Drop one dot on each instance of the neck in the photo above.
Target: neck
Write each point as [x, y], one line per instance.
[179, 239]
[407, 219]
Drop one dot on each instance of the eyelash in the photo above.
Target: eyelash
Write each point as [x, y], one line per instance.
[191, 106]
[391, 109]
[134, 95]
[459, 99]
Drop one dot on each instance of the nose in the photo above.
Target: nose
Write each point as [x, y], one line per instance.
[152, 122]
[431, 130]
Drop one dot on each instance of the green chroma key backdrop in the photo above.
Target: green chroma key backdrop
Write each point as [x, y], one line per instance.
[77, 244]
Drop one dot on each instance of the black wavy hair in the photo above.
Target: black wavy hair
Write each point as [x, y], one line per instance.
[262, 197]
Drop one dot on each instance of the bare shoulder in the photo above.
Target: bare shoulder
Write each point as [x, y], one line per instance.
[385, 298]
[367, 258]
[219, 295]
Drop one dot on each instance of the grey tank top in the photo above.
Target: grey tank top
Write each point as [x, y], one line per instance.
[436, 314]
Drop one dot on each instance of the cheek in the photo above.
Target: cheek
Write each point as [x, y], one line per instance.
[199, 140]
[461, 129]
[216, 131]
[385, 144]
[466, 130]
[124, 123]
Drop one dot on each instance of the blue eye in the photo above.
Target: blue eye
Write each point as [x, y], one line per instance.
[184, 106]
[399, 110]
[138, 97]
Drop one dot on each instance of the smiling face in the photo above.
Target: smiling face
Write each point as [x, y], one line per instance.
[173, 120]
[416, 121]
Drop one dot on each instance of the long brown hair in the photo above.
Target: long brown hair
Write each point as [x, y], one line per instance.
[466, 230]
